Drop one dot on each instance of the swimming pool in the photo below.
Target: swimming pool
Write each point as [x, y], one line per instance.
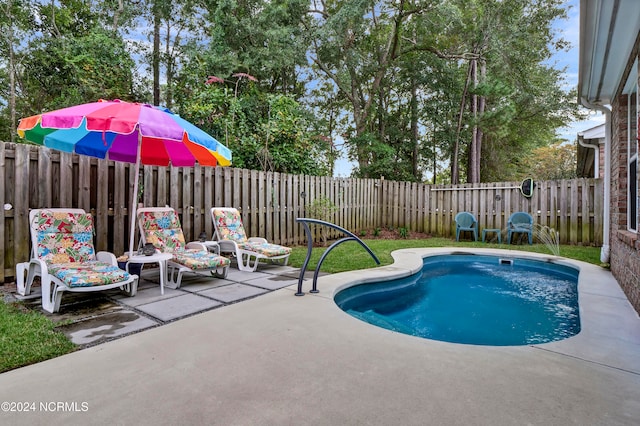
[474, 299]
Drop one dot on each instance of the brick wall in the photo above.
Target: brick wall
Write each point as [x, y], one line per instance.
[619, 164]
[625, 265]
[624, 245]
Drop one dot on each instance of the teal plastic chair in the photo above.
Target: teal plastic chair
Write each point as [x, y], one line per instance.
[465, 221]
[520, 223]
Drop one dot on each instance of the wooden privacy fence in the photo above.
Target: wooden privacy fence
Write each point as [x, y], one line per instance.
[36, 177]
[573, 207]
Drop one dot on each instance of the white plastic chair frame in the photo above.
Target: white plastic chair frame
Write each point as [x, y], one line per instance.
[175, 270]
[51, 286]
[247, 260]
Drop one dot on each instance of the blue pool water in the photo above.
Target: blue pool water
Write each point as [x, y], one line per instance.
[474, 299]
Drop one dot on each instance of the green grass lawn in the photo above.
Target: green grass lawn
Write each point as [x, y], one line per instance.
[28, 337]
[350, 255]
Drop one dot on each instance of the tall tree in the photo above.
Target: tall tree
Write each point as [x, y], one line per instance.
[446, 89]
[556, 161]
[10, 14]
[74, 60]
[269, 132]
[359, 47]
[260, 38]
[155, 54]
[176, 27]
[251, 60]
[353, 45]
[513, 41]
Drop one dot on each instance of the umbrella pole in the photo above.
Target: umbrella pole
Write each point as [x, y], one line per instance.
[134, 197]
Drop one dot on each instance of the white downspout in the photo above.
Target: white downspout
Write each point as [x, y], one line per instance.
[605, 251]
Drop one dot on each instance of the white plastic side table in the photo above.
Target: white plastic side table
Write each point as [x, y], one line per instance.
[159, 258]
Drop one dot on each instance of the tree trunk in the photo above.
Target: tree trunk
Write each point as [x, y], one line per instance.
[169, 64]
[435, 160]
[12, 74]
[156, 56]
[362, 107]
[473, 152]
[414, 128]
[480, 133]
[455, 170]
[12, 87]
[116, 15]
[379, 113]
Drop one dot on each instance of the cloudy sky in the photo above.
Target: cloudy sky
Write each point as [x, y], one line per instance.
[570, 30]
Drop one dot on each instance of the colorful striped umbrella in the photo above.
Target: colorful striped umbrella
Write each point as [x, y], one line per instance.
[129, 132]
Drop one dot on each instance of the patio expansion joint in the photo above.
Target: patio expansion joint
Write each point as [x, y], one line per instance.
[233, 302]
[186, 292]
[231, 282]
[267, 290]
[624, 370]
[620, 296]
[136, 310]
[256, 286]
[204, 296]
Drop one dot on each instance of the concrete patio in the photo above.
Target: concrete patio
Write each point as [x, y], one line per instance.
[88, 319]
[279, 359]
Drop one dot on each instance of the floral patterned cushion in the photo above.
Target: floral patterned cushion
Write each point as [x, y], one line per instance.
[199, 259]
[229, 225]
[64, 237]
[88, 274]
[266, 249]
[163, 230]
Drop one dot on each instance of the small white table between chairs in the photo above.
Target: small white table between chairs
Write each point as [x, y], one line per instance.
[159, 258]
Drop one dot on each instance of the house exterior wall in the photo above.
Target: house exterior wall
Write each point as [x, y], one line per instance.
[601, 147]
[624, 244]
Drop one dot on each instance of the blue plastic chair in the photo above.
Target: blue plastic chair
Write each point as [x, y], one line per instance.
[465, 221]
[520, 223]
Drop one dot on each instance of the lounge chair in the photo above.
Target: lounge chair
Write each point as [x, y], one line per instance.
[63, 256]
[161, 227]
[465, 221]
[520, 223]
[232, 238]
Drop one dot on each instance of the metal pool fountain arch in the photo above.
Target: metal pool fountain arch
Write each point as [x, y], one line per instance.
[350, 237]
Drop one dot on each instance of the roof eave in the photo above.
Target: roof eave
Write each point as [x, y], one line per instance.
[608, 30]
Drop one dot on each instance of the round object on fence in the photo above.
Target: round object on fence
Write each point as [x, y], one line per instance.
[527, 187]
